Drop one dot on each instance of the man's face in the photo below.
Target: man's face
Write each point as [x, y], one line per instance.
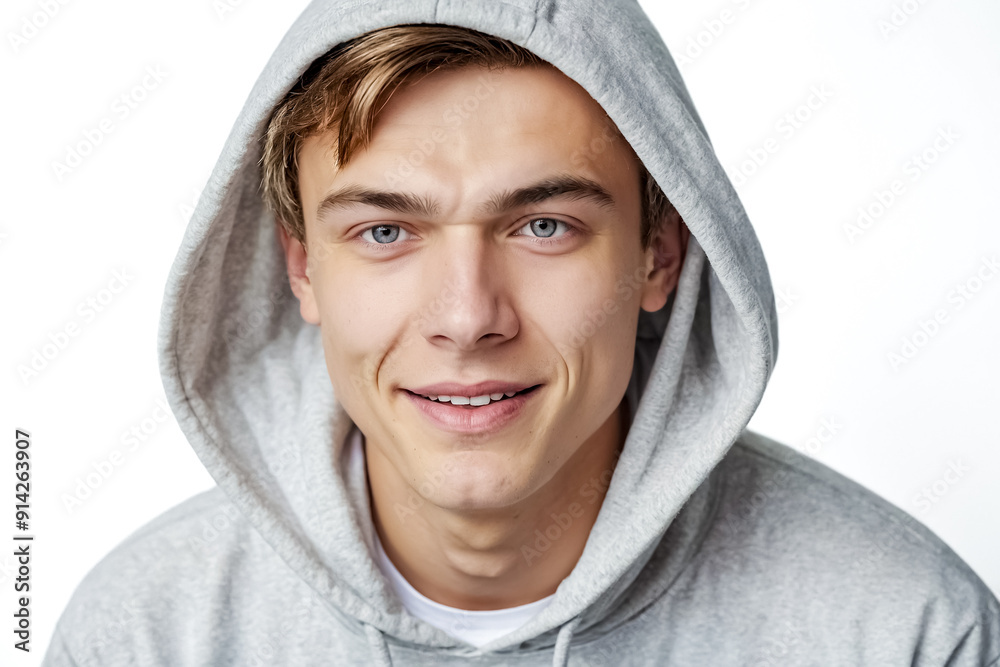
[540, 292]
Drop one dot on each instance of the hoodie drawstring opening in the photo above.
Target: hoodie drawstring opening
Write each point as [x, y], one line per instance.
[560, 656]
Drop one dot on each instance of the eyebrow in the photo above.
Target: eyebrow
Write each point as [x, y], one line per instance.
[564, 185]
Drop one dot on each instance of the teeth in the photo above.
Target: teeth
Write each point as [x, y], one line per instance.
[474, 401]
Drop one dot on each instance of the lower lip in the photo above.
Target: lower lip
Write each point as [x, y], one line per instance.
[464, 419]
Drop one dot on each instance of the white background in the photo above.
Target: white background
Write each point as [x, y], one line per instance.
[845, 306]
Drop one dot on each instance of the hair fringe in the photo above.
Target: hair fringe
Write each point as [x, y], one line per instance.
[346, 89]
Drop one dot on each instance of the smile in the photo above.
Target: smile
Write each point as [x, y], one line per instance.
[475, 401]
[473, 414]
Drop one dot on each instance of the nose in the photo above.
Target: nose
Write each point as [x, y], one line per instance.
[467, 304]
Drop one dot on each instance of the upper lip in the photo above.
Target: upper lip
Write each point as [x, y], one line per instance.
[470, 390]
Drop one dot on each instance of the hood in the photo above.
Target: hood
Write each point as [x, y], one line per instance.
[246, 378]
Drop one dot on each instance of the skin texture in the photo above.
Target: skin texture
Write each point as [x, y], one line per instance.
[466, 296]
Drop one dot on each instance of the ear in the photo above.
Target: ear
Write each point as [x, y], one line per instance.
[298, 274]
[664, 259]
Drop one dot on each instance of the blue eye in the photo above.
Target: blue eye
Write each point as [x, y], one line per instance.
[383, 234]
[545, 228]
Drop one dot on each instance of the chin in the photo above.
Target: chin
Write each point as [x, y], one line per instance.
[479, 485]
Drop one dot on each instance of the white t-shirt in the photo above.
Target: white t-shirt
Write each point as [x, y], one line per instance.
[476, 627]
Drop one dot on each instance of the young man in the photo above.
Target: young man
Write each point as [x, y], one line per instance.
[468, 327]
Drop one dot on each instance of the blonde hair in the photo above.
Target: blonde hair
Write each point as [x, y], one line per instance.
[345, 89]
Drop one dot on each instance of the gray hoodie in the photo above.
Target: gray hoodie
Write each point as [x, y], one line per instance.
[714, 545]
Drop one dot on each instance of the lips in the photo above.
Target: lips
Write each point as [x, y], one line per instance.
[459, 415]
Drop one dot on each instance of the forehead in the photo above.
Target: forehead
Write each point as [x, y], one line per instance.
[472, 105]
[472, 129]
[477, 95]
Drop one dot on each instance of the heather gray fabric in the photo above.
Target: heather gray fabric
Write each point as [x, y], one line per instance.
[713, 546]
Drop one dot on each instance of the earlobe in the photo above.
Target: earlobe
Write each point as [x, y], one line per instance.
[664, 259]
[296, 262]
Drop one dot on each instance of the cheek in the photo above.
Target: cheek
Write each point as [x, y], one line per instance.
[593, 312]
[358, 325]
[598, 346]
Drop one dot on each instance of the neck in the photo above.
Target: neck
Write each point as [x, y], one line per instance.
[504, 557]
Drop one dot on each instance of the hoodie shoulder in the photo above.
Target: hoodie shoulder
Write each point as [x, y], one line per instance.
[793, 534]
[154, 597]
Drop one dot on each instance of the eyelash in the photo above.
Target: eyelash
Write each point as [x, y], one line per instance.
[546, 241]
[542, 241]
[378, 247]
